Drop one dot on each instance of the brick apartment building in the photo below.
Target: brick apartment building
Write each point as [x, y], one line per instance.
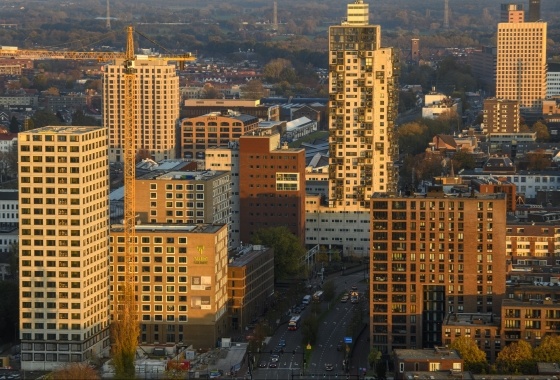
[433, 255]
[216, 129]
[271, 185]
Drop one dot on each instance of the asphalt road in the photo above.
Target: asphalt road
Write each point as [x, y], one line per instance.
[332, 330]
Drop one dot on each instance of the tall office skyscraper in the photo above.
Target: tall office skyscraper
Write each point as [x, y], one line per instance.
[157, 108]
[64, 245]
[363, 107]
[534, 10]
[521, 63]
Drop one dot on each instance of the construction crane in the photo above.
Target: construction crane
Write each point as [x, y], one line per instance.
[125, 316]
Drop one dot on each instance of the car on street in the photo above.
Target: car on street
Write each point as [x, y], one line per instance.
[273, 365]
[262, 364]
[282, 343]
[339, 346]
[354, 288]
[297, 310]
[274, 358]
[328, 367]
[344, 299]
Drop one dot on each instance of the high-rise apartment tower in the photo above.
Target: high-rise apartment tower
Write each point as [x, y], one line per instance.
[363, 99]
[64, 245]
[157, 108]
[534, 10]
[521, 63]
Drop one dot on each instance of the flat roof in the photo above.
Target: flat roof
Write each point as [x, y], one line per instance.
[472, 319]
[168, 227]
[182, 175]
[8, 195]
[248, 256]
[427, 353]
[63, 129]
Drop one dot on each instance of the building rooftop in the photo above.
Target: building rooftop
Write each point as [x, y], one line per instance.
[438, 375]
[437, 192]
[427, 354]
[190, 228]
[244, 255]
[547, 302]
[8, 195]
[63, 129]
[182, 175]
[468, 319]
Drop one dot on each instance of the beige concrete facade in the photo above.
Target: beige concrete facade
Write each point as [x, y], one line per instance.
[182, 282]
[64, 250]
[361, 142]
[157, 108]
[521, 63]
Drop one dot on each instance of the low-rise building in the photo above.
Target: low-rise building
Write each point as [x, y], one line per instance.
[438, 359]
[250, 284]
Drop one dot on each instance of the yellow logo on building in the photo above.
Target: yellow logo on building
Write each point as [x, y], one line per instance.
[200, 259]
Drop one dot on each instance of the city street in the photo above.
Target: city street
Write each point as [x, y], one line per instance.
[332, 331]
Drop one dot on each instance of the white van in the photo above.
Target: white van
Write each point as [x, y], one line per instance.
[306, 300]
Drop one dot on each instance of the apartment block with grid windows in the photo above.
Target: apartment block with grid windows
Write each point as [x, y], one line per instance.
[521, 63]
[157, 108]
[64, 245]
[182, 281]
[190, 197]
[433, 255]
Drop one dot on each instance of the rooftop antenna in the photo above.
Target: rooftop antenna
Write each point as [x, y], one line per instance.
[446, 15]
[108, 20]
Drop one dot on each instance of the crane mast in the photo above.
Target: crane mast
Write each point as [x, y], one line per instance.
[125, 328]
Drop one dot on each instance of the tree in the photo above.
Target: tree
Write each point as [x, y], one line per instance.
[288, 250]
[43, 118]
[328, 290]
[542, 131]
[549, 350]
[79, 118]
[474, 357]
[373, 357]
[538, 160]
[210, 92]
[309, 330]
[253, 90]
[516, 357]
[272, 71]
[75, 371]
[463, 160]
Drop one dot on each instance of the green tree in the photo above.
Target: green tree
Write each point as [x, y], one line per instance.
[515, 358]
[463, 160]
[542, 131]
[413, 138]
[272, 71]
[549, 350]
[43, 118]
[79, 118]
[309, 330]
[210, 92]
[288, 250]
[474, 357]
[328, 290]
[373, 357]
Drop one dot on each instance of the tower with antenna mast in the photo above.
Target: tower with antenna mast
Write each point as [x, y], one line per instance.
[108, 22]
[275, 16]
[446, 15]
